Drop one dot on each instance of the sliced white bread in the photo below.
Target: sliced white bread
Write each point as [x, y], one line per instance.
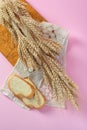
[38, 101]
[33, 101]
[20, 88]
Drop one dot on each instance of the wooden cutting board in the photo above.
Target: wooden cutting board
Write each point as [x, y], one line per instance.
[7, 47]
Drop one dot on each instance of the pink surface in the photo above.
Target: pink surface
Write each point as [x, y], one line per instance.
[70, 14]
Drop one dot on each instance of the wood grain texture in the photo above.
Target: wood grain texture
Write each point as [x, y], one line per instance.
[7, 47]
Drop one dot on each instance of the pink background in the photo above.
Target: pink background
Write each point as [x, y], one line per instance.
[70, 14]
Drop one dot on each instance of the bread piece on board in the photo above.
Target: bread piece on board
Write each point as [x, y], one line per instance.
[38, 101]
[19, 87]
[33, 102]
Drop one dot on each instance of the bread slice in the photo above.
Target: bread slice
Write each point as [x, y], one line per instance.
[38, 101]
[20, 87]
[33, 102]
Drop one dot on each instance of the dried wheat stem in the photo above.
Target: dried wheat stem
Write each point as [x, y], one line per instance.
[70, 92]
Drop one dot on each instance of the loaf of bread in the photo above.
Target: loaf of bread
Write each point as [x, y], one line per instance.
[19, 87]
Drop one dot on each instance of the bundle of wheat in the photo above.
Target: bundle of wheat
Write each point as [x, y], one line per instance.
[36, 51]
